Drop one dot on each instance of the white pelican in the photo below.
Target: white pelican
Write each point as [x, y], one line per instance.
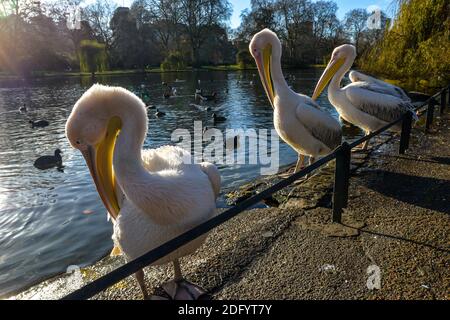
[297, 119]
[364, 104]
[152, 195]
[395, 91]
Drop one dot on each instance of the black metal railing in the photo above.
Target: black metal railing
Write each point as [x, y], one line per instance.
[342, 154]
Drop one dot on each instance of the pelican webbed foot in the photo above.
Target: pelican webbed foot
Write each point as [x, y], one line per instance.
[364, 146]
[182, 290]
[299, 166]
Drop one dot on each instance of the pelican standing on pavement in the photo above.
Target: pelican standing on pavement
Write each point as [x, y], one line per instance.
[151, 195]
[297, 119]
[367, 105]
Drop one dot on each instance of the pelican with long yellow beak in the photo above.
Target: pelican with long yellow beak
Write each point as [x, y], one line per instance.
[152, 195]
[298, 120]
[367, 105]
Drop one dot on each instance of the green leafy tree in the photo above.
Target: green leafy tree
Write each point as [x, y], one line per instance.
[92, 56]
[173, 62]
[416, 48]
[244, 59]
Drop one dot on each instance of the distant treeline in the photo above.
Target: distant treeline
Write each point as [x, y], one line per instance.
[175, 34]
[171, 34]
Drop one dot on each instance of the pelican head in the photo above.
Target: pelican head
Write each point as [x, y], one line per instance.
[354, 76]
[264, 47]
[341, 59]
[93, 128]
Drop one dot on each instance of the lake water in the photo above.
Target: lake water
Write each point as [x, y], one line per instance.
[52, 219]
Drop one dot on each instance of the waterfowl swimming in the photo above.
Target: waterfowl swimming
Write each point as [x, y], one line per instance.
[367, 105]
[169, 91]
[152, 195]
[204, 97]
[298, 120]
[200, 107]
[212, 96]
[198, 96]
[39, 123]
[217, 118]
[47, 162]
[23, 108]
[159, 114]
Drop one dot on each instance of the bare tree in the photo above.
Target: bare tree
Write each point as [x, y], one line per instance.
[165, 17]
[99, 15]
[355, 24]
[198, 16]
[296, 17]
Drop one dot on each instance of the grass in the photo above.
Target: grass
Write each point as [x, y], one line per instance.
[44, 74]
[231, 67]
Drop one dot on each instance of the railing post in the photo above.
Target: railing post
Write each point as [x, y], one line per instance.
[443, 100]
[430, 114]
[341, 181]
[406, 132]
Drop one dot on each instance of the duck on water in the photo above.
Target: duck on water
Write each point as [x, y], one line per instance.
[48, 162]
[39, 123]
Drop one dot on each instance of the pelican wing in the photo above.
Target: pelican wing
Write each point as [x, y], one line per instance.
[174, 177]
[321, 125]
[387, 88]
[373, 100]
[165, 157]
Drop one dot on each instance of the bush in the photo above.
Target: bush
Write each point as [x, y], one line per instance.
[244, 59]
[416, 47]
[173, 62]
[93, 56]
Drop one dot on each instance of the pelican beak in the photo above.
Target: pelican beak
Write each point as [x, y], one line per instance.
[333, 66]
[263, 62]
[99, 159]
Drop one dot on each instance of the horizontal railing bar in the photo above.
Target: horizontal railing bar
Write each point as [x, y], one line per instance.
[132, 267]
[135, 265]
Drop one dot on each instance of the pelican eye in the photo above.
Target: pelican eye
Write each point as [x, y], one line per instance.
[78, 142]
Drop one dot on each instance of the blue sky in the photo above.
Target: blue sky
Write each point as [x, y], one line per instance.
[344, 7]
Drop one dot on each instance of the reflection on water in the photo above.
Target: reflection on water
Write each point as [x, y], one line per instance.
[51, 219]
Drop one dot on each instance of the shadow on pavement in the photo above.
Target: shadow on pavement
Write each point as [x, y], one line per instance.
[424, 192]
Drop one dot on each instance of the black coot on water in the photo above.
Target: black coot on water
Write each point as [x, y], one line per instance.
[47, 162]
[39, 123]
[159, 114]
[217, 118]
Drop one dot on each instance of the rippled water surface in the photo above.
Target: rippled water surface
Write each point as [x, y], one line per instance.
[52, 219]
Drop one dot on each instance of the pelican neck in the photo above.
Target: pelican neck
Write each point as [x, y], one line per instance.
[127, 151]
[279, 82]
